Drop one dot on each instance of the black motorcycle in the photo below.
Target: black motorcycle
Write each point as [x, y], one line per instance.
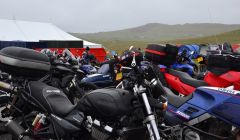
[21, 65]
[45, 112]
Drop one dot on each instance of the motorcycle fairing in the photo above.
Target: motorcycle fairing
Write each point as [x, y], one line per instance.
[229, 110]
[231, 76]
[178, 85]
[227, 79]
[184, 113]
[206, 98]
[217, 102]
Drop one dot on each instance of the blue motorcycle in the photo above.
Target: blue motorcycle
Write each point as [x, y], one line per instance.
[184, 59]
[208, 113]
[110, 74]
[103, 77]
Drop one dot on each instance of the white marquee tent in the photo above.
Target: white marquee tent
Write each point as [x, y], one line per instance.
[91, 45]
[15, 30]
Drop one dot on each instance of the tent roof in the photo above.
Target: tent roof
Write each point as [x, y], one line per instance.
[90, 44]
[27, 31]
[15, 30]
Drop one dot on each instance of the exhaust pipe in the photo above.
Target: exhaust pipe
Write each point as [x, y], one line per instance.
[16, 130]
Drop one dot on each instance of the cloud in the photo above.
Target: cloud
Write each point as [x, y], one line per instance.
[105, 15]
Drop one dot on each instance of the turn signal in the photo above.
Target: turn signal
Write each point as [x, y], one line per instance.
[164, 105]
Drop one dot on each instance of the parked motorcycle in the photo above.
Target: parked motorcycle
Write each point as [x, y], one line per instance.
[196, 116]
[105, 76]
[207, 113]
[184, 61]
[101, 114]
[84, 63]
[110, 74]
[223, 71]
[36, 66]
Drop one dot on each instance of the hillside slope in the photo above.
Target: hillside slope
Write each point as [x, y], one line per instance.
[232, 37]
[160, 32]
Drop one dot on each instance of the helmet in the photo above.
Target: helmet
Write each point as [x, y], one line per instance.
[87, 48]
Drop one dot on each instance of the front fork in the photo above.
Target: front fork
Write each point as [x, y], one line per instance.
[150, 120]
[120, 85]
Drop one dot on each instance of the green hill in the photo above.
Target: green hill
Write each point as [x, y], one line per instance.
[118, 45]
[160, 32]
[232, 37]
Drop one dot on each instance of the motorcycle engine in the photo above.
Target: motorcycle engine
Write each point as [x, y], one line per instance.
[100, 131]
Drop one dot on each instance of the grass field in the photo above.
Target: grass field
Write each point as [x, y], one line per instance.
[233, 37]
[117, 45]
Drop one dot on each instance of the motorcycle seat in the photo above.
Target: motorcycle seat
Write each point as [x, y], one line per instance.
[176, 100]
[187, 79]
[50, 98]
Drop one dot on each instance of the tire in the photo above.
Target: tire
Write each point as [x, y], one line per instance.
[191, 135]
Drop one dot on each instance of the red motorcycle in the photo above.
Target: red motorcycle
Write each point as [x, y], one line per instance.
[223, 71]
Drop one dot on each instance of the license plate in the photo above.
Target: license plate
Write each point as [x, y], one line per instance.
[119, 76]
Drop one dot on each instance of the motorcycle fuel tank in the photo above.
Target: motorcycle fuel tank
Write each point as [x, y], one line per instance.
[109, 103]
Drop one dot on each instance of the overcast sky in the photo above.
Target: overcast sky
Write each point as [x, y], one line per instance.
[107, 15]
